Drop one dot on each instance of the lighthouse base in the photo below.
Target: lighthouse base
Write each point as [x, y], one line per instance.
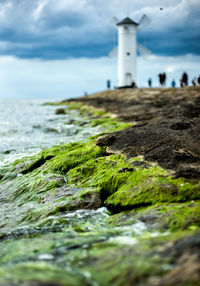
[133, 85]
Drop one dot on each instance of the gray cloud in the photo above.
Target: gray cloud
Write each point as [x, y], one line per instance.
[51, 29]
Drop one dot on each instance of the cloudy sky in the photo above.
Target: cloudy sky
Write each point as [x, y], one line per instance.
[59, 48]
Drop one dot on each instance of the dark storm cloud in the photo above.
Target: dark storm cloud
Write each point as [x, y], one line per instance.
[62, 19]
[55, 53]
[172, 42]
[57, 29]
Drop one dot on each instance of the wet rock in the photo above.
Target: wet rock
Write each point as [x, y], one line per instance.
[173, 217]
[89, 200]
[60, 111]
[124, 170]
[157, 141]
[188, 172]
[59, 193]
[37, 126]
[8, 151]
[73, 198]
[105, 140]
[50, 130]
[71, 121]
[28, 232]
[83, 123]
[185, 255]
[141, 164]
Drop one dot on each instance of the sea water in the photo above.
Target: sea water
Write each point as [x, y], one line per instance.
[28, 126]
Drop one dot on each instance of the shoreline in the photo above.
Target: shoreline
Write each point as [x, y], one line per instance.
[169, 116]
[145, 170]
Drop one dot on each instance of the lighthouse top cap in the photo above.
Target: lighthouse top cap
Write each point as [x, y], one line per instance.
[126, 21]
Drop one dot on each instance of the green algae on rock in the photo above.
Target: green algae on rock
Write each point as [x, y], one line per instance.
[71, 258]
[162, 217]
[83, 175]
[54, 231]
[125, 187]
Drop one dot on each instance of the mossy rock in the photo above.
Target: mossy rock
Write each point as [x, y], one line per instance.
[161, 217]
[127, 184]
[149, 187]
[40, 273]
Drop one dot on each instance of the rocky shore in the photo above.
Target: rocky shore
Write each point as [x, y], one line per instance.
[166, 126]
[119, 208]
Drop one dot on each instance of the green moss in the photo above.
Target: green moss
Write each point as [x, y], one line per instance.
[74, 155]
[95, 176]
[180, 216]
[162, 217]
[31, 186]
[44, 272]
[122, 219]
[31, 163]
[110, 124]
[85, 109]
[57, 103]
[101, 118]
[102, 173]
[123, 265]
[88, 255]
[152, 186]
[44, 185]
[132, 188]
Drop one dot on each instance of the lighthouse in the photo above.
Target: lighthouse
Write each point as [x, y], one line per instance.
[128, 47]
[127, 52]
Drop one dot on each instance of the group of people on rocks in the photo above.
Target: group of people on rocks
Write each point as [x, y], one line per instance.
[162, 81]
[183, 81]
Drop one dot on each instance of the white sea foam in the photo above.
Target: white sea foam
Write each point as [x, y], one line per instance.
[124, 240]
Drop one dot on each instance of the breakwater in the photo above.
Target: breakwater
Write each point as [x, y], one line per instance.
[92, 212]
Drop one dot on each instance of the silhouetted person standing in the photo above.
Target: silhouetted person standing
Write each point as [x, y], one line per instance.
[108, 84]
[194, 81]
[184, 80]
[162, 78]
[150, 82]
[173, 84]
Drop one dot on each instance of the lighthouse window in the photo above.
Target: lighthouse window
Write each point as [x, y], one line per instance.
[126, 28]
[128, 54]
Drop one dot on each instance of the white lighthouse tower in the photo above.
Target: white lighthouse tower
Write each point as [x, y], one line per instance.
[127, 49]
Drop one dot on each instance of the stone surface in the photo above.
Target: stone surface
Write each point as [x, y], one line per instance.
[158, 142]
[166, 126]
